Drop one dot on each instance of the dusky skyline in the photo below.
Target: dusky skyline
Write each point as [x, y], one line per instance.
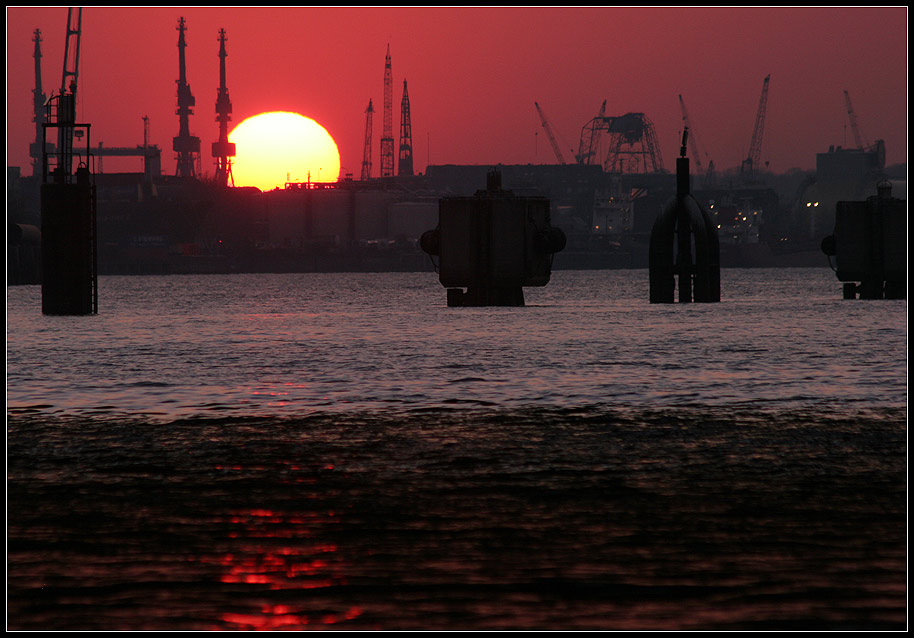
[475, 73]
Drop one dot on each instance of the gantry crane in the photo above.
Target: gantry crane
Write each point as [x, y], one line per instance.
[858, 137]
[590, 138]
[750, 165]
[223, 150]
[548, 129]
[366, 155]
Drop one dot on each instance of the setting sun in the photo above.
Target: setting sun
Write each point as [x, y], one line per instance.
[274, 148]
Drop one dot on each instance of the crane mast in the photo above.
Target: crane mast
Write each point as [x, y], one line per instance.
[751, 164]
[405, 165]
[184, 144]
[36, 151]
[858, 138]
[548, 129]
[366, 156]
[387, 139]
[223, 150]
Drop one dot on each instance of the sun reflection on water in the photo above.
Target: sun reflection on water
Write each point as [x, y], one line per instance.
[281, 552]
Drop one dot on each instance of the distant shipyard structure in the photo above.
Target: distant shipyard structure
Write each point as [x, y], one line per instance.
[604, 198]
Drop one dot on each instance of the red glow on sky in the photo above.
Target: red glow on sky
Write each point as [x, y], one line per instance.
[475, 73]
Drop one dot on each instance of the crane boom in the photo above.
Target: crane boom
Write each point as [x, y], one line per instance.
[687, 126]
[366, 156]
[858, 138]
[71, 54]
[751, 163]
[555, 146]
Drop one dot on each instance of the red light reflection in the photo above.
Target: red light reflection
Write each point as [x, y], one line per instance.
[295, 562]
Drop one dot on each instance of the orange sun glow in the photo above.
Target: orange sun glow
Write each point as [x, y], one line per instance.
[278, 147]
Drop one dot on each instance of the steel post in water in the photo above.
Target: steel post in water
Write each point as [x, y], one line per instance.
[69, 277]
[684, 243]
[493, 244]
[869, 246]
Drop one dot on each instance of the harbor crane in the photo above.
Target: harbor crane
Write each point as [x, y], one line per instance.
[366, 156]
[387, 138]
[858, 137]
[187, 146]
[405, 163]
[223, 150]
[590, 139]
[750, 165]
[549, 134]
[38, 101]
[63, 116]
[71, 55]
[693, 143]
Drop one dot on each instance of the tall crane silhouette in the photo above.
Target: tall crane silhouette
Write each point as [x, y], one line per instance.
[693, 144]
[549, 134]
[858, 137]
[36, 150]
[750, 165]
[223, 150]
[71, 55]
[184, 144]
[405, 165]
[66, 102]
[387, 137]
[366, 155]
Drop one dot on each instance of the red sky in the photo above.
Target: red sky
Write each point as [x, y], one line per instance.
[474, 74]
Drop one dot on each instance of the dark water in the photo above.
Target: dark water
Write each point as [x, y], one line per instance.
[344, 451]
